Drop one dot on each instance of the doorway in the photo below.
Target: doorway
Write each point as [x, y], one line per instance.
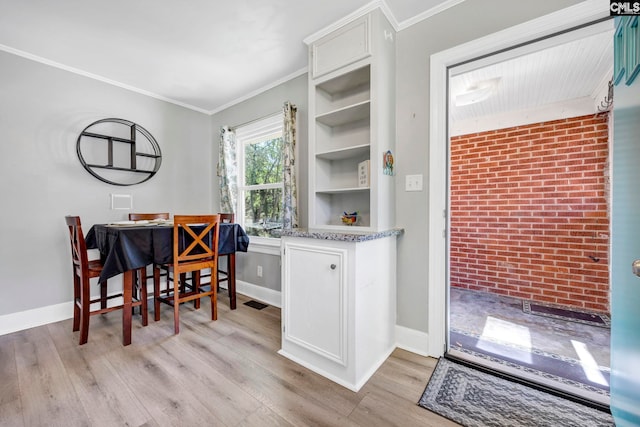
[488, 224]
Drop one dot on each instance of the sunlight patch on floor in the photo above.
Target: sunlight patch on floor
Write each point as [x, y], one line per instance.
[506, 333]
[588, 363]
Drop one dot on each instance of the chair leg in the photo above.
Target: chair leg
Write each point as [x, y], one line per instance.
[144, 312]
[214, 298]
[141, 279]
[85, 310]
[195, 278]
[218, 272]
[183, 282]
[76, 302]
[156, 293]
[176, 305]
[231, 280]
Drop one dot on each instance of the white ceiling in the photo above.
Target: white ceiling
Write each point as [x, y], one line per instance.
[203, 54]
[565, 77]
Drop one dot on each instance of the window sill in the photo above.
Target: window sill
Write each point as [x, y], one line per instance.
[264, 245]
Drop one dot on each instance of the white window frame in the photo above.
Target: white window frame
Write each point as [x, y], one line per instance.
[257, 131]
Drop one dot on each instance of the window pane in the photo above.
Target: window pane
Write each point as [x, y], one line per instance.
[263, 212]
[263, 162]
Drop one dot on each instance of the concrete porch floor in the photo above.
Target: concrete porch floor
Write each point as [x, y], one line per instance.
[501, 319]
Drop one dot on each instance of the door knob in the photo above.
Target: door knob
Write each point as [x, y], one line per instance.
[635, 267]
[333, 266]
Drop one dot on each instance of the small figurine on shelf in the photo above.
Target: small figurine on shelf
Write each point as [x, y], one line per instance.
[349, 219]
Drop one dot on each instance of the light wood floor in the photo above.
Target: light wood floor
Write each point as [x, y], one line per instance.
[222, 373]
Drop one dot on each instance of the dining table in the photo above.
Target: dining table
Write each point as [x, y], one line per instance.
[127, 246]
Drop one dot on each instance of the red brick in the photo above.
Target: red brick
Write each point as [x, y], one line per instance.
[528, 209]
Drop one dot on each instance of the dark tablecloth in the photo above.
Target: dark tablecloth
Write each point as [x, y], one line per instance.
[129, 248]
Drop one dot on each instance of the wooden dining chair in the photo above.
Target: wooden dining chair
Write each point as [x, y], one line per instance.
[224, 274]
[83, 271]
[141, 276]
[195, 247]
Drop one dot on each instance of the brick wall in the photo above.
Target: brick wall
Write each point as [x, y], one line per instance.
[529, 214]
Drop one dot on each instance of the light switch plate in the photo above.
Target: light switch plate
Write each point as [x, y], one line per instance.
[413, 183]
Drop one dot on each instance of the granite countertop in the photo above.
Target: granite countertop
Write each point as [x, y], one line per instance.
[340, 236]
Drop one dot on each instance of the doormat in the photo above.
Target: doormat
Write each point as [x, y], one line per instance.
[256, 304]
[570, 314]
[474, 398]
[546, 366]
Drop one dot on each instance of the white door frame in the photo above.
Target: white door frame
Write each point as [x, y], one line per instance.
[582, 13]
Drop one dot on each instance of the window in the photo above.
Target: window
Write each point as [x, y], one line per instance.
[260, 176]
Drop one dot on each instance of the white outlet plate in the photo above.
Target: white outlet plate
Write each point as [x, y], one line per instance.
[413, 183]
[259, 272]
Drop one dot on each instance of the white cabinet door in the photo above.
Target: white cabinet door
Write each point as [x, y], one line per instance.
[342, 47]
[315, 300]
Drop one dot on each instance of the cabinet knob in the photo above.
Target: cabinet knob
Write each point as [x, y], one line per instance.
[333, 266]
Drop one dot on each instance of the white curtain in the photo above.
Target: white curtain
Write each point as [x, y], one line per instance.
[290, 195]
[228, 170]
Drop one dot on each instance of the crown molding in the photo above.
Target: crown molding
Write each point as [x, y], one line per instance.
[428, 14]
[93, 76]
[260, 90]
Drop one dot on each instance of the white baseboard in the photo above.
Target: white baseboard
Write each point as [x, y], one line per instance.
[260, 293]
[15, 322]
[412, 340]
[317, 370]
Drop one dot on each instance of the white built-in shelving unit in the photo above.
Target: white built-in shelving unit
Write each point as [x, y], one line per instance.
[351, 92]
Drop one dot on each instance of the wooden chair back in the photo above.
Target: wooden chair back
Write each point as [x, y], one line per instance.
[79, 256]
[227, 218]
[147, 216]
[195, 242]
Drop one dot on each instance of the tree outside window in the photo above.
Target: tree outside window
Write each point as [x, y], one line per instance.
[260, 186]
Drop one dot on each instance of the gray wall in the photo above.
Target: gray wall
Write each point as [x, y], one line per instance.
[465, 22]
[266, 103]
[42, 110]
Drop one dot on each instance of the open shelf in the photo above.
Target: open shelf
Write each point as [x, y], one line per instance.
[331, 205]
[342, 137]
[344, 115]
[343, 93]
[341, 190]
[344, 153]
[347, 82]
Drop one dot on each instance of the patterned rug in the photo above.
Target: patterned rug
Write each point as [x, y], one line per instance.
[550, 366]
[474, 398]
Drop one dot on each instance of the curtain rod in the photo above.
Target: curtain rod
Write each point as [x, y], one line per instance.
[254, 120]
